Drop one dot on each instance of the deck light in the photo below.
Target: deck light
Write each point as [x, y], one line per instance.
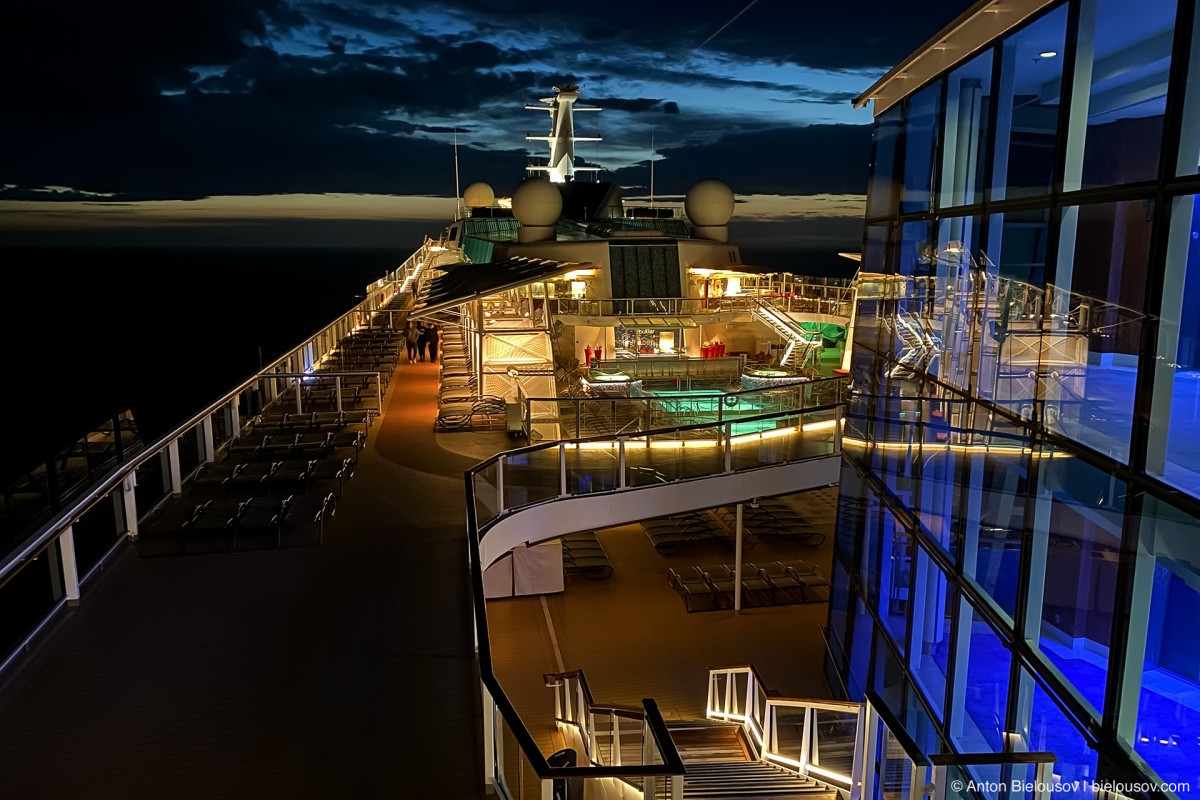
[1048, 54]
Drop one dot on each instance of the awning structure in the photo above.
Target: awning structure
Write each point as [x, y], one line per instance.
[463, 282]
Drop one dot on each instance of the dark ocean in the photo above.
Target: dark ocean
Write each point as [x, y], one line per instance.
[160, 332]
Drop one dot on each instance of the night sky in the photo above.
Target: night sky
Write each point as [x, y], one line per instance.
[272, 122]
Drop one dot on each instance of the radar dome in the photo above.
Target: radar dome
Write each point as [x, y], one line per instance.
[709, 203]
[536, 202]
[479, 195]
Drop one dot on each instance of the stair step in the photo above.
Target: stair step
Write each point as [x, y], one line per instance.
[713, 781]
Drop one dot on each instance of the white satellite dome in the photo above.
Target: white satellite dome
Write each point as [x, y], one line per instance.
[536, 202]
[709, 204]
[479, 195]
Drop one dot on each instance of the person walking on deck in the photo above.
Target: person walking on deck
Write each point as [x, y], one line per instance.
[410, 341]
[422, 333]
[432, 335]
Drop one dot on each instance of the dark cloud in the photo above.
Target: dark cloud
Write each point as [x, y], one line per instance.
[776, 161]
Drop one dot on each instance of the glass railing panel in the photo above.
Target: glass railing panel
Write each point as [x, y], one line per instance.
[96, 532]
[895, 772]
[512, 769]
[531, 476]
[189, 451]
[220, 428]
[788, 739]
[483, 488]
[673, 456]
[591, 467]
[27, 597]
[833, 746]
[718, 682]
[152, 484]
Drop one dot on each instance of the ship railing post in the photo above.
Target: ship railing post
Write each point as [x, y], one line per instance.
[729, 447]
[235, 418]
[205, 432]
[500, 484]
[337, 390]
[299, 402]
[173, 467]
[562, 470]
[621, 481]
[129, 504]
[70, 568]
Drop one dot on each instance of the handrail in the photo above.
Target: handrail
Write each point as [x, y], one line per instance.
[896, 729]
[107, 483]
[990, 759]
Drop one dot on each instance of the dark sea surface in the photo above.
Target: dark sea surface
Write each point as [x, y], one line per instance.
[161, 332]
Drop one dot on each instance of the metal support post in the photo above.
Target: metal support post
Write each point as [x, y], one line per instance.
[70, 568]
[737, 561]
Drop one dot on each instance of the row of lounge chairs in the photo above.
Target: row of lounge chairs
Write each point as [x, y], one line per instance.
[711, 587]
[670, 534]
[230, 524]
[584, 555]
[270, 477]
[771, 518]
[278, 446]
[311, 422]
[460, 404]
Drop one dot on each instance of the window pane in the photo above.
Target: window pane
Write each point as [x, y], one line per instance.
[1125, 48]
[981, 692]
[1189, 140]
[1174, 450]
[886, 135]
[1049, 729]
[954, 327]
[1168, 715]
[1081, 552]
[932, 617]
[920, 141]
[1091, 336]
[1027, 118]
[968, 98]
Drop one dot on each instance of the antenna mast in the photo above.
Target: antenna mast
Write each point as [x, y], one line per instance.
[652, 154]
[457, 187]
[562, 136]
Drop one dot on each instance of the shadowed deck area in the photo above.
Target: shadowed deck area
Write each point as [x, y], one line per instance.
[633, 638]
[344, 670]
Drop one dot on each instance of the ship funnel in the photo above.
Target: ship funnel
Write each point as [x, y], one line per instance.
[709, 206]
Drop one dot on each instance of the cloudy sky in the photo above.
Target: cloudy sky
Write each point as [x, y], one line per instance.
[289, 121]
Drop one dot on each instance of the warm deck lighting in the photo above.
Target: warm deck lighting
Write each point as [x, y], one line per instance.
[1048, 54]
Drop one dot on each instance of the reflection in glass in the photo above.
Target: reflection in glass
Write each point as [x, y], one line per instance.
[1081, 551]
[1125, 48]
[933, 611]
[968, 96]
[920, 141]
[1167, 712]
[881, 197]
[1030, 91]
[1091, 336]
[1047, 729]
[1174, 449]
[980, 696]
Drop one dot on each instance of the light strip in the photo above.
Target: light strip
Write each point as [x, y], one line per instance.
[833, 776]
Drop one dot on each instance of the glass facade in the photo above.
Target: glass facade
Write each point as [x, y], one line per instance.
[1022, 570]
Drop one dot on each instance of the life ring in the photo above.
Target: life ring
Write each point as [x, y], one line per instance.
[730, 400]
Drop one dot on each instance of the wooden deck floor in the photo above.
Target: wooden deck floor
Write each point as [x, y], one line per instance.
[344, 670]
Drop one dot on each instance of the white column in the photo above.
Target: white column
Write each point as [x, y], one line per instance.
[129, 500]
[235, 418]
[490, 749]
[208, 448]
[66, 546]
[737, 561]
[500, 484]
[173, 468]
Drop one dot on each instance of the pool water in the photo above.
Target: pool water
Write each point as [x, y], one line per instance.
[684, 407]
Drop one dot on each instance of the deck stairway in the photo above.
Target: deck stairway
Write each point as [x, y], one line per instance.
[801, 347]
[719, 766]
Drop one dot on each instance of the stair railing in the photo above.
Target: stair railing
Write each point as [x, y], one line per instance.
[817, 739]
[600, 729]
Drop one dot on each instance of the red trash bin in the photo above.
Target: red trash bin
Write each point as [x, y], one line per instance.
[720, 349]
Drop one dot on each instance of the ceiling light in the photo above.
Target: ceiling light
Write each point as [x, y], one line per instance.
[1048, 54]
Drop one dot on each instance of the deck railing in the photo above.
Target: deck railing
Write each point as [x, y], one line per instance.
[58, 559]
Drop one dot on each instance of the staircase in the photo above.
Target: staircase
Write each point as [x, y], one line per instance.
[719, 766]
[801, 347]
[755, 779]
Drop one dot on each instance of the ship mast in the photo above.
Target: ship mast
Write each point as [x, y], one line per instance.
[562, 138]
